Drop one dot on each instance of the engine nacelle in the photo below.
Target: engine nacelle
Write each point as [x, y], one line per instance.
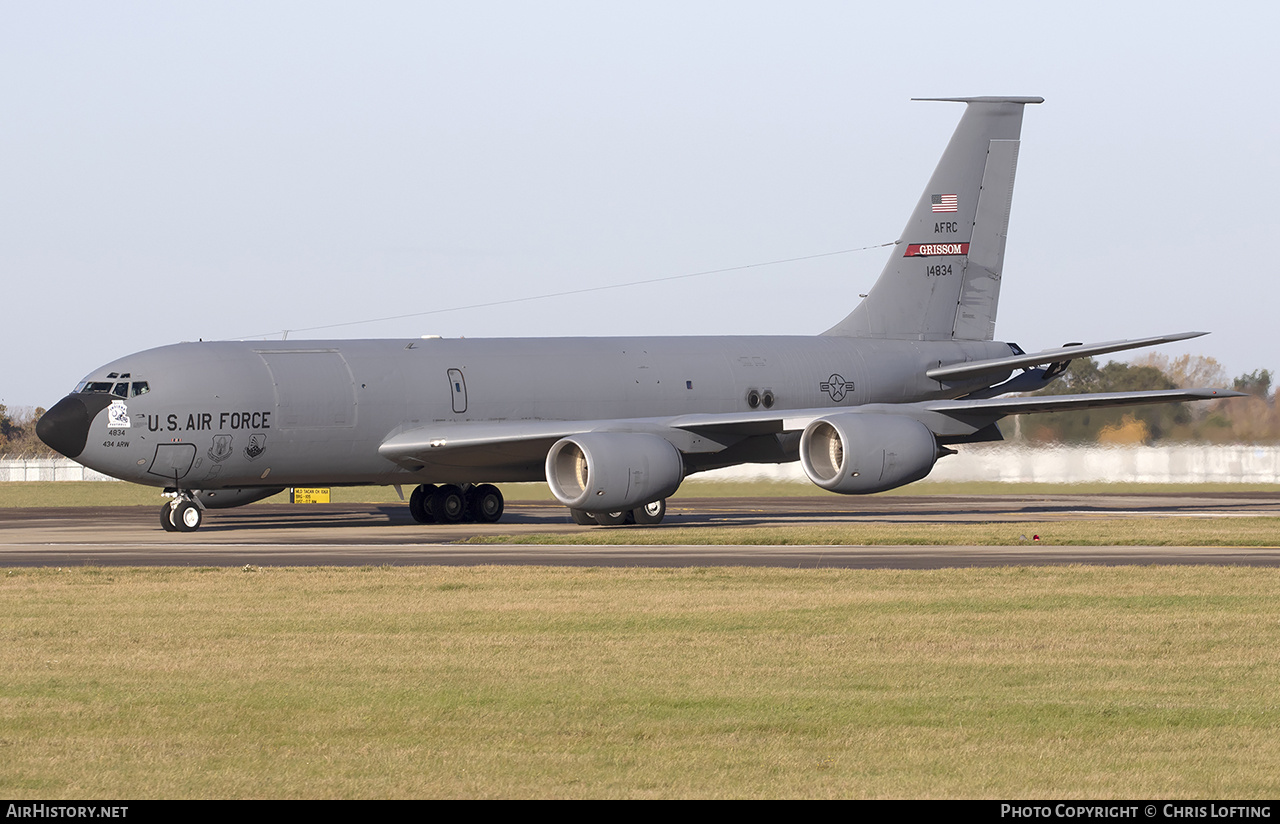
[855, 454]
[611, 471]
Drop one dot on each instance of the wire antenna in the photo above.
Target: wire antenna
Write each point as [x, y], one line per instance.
[286, 332]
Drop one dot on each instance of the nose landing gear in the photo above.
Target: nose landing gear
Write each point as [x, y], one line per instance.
[182, 514]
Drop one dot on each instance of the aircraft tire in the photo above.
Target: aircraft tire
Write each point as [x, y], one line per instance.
[582, 517]
[651, 513]
[613, 518]
[485, 504]
[420, 503]
[166, 518]
[187, 517]
[447, 505]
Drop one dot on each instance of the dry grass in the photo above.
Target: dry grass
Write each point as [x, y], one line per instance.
[1099, 531]
[528, 682]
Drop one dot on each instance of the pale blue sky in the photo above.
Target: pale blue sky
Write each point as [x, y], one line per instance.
[171, 171]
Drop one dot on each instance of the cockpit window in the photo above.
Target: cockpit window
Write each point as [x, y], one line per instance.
[122, 389]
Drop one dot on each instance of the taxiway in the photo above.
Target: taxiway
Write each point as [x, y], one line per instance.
[376, 534]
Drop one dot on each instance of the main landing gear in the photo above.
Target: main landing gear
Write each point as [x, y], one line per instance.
[182, 514]
[647, 515]
[449, 504]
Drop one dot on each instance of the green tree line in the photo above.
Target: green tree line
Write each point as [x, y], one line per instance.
[1252, 419]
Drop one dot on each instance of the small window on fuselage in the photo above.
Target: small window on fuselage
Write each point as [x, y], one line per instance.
[140, 388]
[121, 390]
[98, 387]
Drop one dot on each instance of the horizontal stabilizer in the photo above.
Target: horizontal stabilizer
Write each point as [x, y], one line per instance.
[972, 369]
[985, 99]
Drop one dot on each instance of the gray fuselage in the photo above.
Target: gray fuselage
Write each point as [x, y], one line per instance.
[222, 415]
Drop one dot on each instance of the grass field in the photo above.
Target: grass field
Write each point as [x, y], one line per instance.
[1095, 531]
[649, 683]
[485, 682]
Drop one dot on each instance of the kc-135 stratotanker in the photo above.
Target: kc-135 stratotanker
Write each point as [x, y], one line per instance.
[613, 425]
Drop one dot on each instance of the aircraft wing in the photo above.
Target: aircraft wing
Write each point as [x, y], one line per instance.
[496, 443]
[972, 369]
[1060, 403]
[945, 418]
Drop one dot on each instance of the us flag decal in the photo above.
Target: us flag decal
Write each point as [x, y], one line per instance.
[945, 203]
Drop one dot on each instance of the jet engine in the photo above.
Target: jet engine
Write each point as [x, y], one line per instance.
[612, 471]
[855, 454]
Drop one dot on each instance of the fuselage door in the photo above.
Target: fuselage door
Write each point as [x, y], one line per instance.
[173, 460]
[314, 388]
[458, 389]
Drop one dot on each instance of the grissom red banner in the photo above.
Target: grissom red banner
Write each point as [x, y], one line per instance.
[933, 249]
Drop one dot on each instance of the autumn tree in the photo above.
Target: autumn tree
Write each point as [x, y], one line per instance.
[1230, 420]
[18, 432]
[1187, 371]
[1256, 383]
[1084, 375]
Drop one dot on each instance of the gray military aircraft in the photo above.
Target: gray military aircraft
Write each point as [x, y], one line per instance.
[613, 425]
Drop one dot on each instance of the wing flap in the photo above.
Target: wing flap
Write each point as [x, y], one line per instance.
[458, 443]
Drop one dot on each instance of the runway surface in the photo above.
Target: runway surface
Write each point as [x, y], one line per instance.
[376, 534]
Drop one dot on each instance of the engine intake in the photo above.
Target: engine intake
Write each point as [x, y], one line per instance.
[855, 454]
[611, 471]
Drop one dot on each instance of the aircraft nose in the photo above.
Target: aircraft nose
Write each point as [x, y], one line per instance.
[65, 427]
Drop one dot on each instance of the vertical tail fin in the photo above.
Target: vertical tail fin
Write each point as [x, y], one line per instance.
[942, 281]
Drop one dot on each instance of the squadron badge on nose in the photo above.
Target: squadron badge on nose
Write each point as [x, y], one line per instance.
[221, 449]
[117, 415]
[257, 445]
